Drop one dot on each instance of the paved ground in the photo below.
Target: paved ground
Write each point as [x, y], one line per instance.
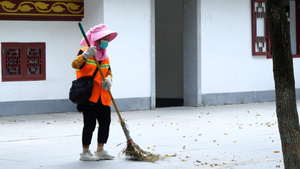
[229, 137]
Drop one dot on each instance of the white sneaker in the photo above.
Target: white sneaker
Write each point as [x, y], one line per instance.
[88, 156]
[103, 155]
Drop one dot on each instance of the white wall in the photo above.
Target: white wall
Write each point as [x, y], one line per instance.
[93, 14]
[61, 44]
[227, 61]
[62, 40]
[130, 51]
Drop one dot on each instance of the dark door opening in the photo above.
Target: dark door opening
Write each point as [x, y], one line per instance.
[168, 102]
[169, 52]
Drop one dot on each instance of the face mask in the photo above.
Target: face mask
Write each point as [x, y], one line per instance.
[103, 44]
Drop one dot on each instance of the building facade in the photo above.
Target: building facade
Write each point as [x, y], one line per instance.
[167, 53]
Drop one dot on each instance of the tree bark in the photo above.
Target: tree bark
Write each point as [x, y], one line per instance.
[286, 107]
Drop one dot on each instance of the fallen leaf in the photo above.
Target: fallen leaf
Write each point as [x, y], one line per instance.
[276, 151]
[174, 155]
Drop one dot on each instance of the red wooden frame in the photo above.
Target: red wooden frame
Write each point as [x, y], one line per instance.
[268, 54]
[254, 53]
[23, 49]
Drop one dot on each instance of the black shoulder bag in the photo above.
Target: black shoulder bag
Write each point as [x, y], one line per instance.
[81, 89]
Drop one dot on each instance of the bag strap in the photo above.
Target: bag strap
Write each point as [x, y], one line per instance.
[95, 72]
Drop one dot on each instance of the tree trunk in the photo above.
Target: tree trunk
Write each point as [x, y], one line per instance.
[286, 107]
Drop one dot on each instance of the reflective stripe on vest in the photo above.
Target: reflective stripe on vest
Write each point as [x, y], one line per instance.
[92, 62]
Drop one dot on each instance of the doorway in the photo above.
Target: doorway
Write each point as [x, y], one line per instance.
[169, 52]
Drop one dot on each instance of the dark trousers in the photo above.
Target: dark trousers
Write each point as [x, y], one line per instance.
[93, 112]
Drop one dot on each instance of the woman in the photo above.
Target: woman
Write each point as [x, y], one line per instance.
[98, 106]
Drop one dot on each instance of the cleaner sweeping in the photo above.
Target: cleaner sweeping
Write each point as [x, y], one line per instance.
[97, 106]
[99, 37]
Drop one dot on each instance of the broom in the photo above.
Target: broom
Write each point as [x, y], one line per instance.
[132, 150]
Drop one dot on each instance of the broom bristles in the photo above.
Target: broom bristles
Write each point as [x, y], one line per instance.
[134, 151]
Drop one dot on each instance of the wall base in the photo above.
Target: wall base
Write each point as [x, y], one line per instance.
[241, 97]
[131, 104]
[65, 105]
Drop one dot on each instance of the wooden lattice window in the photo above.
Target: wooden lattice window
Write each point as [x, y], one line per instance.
[261, 44]
[260, 31]
[23, 61]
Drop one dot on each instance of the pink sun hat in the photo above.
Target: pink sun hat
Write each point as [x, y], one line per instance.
[98, 32]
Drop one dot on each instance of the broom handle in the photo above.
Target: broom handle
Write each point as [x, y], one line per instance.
[102, 75]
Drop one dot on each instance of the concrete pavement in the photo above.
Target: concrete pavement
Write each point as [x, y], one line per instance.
[241, 136]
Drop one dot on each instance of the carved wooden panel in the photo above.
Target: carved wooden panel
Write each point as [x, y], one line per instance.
[260, 32]
[23, 61]
[60, 10]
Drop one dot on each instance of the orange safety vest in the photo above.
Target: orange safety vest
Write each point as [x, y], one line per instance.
[88, 70]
